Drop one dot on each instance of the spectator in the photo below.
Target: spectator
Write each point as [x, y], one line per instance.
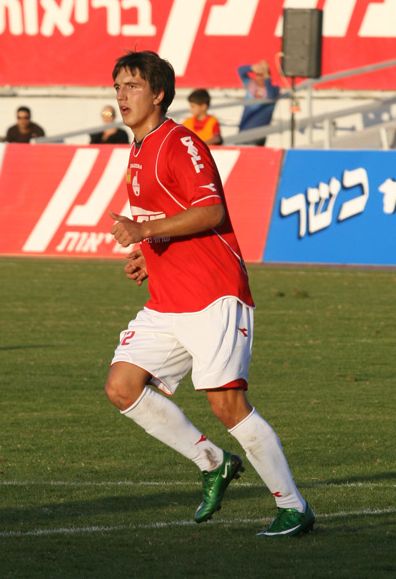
[206, 126]
[256, 79]
[111, 135]
[25, 129]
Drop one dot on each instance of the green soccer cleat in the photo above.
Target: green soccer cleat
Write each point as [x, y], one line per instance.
[289, 523]
[214, 485]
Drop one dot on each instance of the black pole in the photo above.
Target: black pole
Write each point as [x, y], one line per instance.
[292, 111]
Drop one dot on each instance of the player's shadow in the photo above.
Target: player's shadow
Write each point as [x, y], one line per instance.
[378, 477]
[27, 346]
[131, 508]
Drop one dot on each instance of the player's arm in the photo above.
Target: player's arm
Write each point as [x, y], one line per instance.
[189, 222]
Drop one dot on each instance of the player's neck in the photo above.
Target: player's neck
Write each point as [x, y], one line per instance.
[141, 135]
[148, 127]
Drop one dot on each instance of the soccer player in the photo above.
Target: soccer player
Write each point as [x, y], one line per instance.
[199, 315]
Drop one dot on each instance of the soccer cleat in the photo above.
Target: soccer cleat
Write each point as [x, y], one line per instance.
[214, 485]
[290, 522]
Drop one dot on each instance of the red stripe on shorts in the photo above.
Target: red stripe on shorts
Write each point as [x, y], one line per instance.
[240, 384]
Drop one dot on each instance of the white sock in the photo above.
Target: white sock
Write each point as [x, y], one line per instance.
[163, 420]
[264, 451]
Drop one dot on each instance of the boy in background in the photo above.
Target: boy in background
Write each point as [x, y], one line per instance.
[206, 126]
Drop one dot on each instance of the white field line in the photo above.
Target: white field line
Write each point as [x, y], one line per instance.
[189, 523]
[129, 483]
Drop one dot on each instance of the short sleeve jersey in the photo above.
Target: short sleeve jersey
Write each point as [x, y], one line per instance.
[171, 171]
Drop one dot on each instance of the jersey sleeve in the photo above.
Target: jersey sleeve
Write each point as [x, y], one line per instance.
[192, 172]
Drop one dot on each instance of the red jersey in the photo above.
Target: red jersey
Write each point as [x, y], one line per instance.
[169, 172]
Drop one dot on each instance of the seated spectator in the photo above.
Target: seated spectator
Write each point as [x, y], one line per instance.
[257, 81]
[206, 126]
[25, 129]
[112, 135]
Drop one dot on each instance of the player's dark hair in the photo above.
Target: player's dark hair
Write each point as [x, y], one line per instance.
[157, 71]
[24, 110]
[200, 96]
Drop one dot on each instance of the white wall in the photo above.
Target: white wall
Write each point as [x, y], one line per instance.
[60, 110]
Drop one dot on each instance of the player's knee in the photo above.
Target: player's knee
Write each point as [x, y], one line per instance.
[118, 393]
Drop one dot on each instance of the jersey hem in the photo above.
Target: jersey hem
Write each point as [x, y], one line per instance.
[253, 307]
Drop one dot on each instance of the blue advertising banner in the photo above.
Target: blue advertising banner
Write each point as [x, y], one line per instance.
[335, 207]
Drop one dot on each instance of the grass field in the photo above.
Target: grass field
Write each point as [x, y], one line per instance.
[85, 494]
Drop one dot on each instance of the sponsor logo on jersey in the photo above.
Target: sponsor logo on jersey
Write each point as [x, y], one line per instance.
[139, 214]
[193, 152]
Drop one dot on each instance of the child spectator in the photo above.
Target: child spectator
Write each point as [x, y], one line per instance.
[206, 126]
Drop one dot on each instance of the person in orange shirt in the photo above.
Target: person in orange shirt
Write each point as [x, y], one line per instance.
[206, 126]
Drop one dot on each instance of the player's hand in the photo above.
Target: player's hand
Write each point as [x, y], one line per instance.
[135, 268]
[124, 230]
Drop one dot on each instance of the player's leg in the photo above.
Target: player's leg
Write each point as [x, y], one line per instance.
[260, 442]
[224, 344]
[146, 349]
[264, 451]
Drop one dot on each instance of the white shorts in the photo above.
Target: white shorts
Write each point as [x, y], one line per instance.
[215, 343]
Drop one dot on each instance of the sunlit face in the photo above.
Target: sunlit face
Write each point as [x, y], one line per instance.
[23, 120]
[108, 115]
[199, 111]
[139, 106]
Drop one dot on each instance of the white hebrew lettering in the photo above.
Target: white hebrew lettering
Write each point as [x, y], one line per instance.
[355, 178]
[320, 217]
[92, 242]
[295, 204]
[13, 9]
[57, 16]
[69, 241]
[379, 20]
[388, 188]
[144, 26]
[180, 32]
[113, 19]
[81, 11]
[81, 242]
[235, 17]
[111, 178]
[30, 17]
[337, 17]
[61, 201]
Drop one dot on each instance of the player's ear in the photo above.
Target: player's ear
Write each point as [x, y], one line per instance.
[158, 98]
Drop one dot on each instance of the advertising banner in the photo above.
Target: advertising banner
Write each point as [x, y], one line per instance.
[55, 199]
[336, 207]
[75, 42]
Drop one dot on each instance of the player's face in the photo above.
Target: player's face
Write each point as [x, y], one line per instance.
[139, 106]
[198, 110]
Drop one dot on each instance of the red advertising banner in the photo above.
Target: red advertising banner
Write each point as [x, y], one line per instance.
[75, 42]
[56, 199]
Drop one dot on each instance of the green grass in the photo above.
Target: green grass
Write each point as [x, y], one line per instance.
[323, 374]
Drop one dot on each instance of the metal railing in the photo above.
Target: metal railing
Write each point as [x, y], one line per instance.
[251, 135]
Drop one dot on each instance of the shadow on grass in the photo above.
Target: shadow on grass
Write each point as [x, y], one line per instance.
[27, 347]
[371, 478]
[62, 512]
